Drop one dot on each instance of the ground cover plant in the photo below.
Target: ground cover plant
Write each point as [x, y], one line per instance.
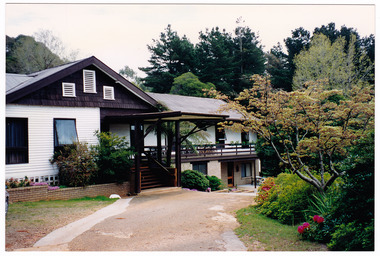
[27, 222]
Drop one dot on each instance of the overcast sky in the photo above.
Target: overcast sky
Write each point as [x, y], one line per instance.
[118, 34]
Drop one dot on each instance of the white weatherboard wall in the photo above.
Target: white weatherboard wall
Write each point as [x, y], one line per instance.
[41, 137]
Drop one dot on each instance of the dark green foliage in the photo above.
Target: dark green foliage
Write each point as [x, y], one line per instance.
[75, 164]
[353, 236]
[215, 183]
[113, 157]
[287, 199]
[220, 59]
[355, 206]
[194, 180]
[24, 55]
[171, 57]
[270, 164]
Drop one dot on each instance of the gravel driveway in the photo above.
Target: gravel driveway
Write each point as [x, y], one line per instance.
[176, 220]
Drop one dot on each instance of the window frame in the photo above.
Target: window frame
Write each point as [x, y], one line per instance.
[243, 171]
[193, 164]
[64, 94]
[112, 91]
[87, 83]
[55, 135]
[24, 149]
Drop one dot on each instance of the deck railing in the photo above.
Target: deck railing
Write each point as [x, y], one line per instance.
[208, 150]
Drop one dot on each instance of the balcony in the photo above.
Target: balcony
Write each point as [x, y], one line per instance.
[210, 152]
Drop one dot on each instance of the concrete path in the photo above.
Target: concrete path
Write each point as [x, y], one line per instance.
[174, 220]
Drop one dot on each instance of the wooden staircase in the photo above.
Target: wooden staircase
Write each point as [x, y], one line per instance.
[151, 178]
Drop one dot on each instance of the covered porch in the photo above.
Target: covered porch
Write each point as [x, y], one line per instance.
[155, 161]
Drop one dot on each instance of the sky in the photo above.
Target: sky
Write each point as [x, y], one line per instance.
[118, 33]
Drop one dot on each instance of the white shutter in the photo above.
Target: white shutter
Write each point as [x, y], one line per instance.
[89, 84]
[108, 93]
[68, 90]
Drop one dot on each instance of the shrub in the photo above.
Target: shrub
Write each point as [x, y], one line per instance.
[113, 157]
[286, 199]
[353, 236]
[215, 182]
[75, 164]
[194, 180]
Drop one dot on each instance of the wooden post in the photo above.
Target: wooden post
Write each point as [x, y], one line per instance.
[159, 146]
[254, 168]
[178, 152]
[137, 158]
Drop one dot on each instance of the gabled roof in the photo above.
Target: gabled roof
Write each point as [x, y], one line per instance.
[196, 105]
[18, 86]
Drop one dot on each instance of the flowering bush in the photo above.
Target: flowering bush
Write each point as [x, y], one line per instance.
[15, 183]
[311, 231]
[263, 191]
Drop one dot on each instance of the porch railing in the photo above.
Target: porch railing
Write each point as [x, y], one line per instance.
[208, 150]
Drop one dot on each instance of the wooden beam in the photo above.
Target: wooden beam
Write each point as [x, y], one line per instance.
[159, 146]
[137, 158]
[178, 152]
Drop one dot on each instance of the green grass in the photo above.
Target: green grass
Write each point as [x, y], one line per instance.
[259, 232]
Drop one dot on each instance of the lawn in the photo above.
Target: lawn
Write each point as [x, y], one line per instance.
[260, 233]
[27, 222]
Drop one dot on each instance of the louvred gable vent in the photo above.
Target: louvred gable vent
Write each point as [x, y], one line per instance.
[68, 89]
[108, 93]
[89, 84]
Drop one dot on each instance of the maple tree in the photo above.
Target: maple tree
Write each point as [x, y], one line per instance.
[310, 129]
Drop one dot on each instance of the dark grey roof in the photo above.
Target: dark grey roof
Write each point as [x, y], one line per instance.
[194, 104]
[16, 82]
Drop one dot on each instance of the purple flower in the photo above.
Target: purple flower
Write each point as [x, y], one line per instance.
[38, 184]
[208, 190]
[53, 188]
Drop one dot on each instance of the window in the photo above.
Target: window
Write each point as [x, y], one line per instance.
[89, 81]
[220, 136]
[201, 167]
[245, 139]
[108, 93]
[246, 170]
[65, 132]
[17, 141]
[68, 90]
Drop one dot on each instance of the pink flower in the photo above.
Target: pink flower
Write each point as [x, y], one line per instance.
[318, 219]
[306, 225]
[301, 229]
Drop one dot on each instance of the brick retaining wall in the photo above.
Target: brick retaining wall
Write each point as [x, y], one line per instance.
[38, 193]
